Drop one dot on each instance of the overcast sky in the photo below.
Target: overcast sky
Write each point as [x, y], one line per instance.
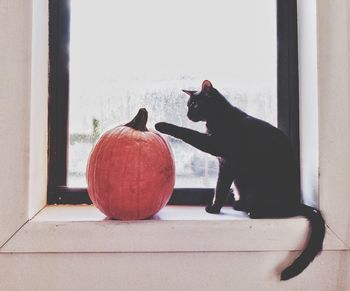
[230, 42]
[234, 38]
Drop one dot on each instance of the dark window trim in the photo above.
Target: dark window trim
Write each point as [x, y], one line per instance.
[288, 73]
[59, 21]
[287, 70]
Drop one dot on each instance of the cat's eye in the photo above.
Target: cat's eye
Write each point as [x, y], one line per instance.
[193, 104]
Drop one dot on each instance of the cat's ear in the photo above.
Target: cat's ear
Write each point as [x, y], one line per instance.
[206, 85]
[189, 92]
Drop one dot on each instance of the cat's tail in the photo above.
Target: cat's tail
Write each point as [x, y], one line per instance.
[314, 244]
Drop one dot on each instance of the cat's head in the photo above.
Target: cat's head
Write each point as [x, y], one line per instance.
[201, 104]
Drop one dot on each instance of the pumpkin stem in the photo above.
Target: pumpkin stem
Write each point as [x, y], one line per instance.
[139, 121]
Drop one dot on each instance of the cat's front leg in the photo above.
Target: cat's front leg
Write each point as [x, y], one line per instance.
[223, 187]
[201, 141]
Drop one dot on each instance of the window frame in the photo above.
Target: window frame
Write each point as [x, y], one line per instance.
[58, 106]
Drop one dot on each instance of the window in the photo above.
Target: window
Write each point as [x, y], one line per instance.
[107, 59]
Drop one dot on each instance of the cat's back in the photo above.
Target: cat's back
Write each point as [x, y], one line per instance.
[261, 136]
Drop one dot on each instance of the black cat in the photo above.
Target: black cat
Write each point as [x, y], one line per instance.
[257, 157]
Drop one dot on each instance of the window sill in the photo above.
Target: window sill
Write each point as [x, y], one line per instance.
[174, 229]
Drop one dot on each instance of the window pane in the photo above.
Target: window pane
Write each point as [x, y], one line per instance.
[125, 55]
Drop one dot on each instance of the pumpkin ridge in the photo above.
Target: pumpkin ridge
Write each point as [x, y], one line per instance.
[138, 180]
[94, 156]
[114, 146]
[142, 139]
[165, 150]
[125, 164]
[104, 190]
[121, 183]
[168, 150]
[154, 205]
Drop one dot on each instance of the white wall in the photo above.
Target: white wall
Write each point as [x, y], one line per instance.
[38, 113]
[242, 271]
[333, 26]
[176, 271]
[15, 89]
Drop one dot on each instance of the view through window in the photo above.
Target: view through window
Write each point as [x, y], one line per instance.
[125, 55]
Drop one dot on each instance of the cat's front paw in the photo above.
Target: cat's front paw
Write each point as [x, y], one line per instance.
[165, 127]
[212, 208]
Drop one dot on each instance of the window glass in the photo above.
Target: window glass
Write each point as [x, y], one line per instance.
[125, 55]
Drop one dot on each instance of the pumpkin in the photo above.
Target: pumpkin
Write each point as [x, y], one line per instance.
[130, 171]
